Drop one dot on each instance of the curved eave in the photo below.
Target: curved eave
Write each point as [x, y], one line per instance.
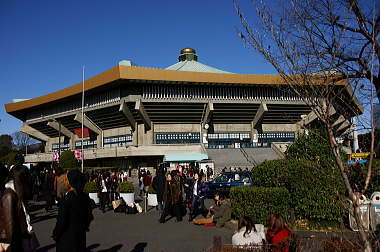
[144, 73]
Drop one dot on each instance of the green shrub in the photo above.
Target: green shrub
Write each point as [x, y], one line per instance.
[67, 160]
[90, 187]
[126, 187]
[10, 158]
[259, 202]
[314, 189]
[151, 190]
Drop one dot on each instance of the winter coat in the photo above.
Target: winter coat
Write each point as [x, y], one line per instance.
[13, 227]
[147, 180]
[74, 217]
[202, 188]
[223, 214]
[172, 193]
[158, 185]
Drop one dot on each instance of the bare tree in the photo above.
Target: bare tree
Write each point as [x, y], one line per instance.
[327, 52]
[21, 141]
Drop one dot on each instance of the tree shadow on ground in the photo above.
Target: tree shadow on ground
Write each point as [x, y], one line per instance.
[112, 249]
[48, 216]
[139, 247]
[92, 247]
[46, 248]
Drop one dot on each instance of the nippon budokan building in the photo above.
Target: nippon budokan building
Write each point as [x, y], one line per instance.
[189, 112]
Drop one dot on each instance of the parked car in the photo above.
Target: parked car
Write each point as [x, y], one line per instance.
[224, 181]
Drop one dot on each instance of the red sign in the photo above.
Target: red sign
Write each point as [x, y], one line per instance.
[86, 132]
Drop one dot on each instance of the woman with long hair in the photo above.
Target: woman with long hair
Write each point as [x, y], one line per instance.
[248, 233]
[16, 229]
[172, 198]
[198, 190]
[74, 216]
[278, 234]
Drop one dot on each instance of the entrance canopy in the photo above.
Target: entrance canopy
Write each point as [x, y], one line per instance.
[185, 157]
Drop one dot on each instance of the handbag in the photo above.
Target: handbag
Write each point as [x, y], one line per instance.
[138, 208]
[4, 247]
[116, 204]
[31, 243]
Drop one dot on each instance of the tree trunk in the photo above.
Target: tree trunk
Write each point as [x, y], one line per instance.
[354, 199]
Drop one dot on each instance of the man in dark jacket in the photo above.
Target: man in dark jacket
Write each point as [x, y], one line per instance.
[74, 216]
[158, 185]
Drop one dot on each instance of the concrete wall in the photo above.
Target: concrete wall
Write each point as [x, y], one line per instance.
[162, 128]
[280, 127]
[143, 137]
[117, 131]
[232, 127]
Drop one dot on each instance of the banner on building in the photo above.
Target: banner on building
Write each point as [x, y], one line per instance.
[78, 154]
[55, 156]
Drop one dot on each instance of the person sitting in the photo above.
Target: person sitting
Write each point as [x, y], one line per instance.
[278, 234]
[219, 213]
[248, 233]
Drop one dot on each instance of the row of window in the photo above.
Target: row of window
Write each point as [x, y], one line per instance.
[55, 147]
[117, 141]
[86, 144]
[177, 138]
[216, 140]
[237, 136]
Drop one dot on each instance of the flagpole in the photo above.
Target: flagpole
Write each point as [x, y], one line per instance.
[82, 153]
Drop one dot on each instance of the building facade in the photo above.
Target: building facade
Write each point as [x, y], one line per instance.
[137, 116]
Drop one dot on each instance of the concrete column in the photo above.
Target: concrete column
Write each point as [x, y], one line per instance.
[26, 129]
[261, 111]
[92, 126]
[128, 114]
[140, 134]
[143, 114]
[149, 135]
[135, 135]
[64, 131]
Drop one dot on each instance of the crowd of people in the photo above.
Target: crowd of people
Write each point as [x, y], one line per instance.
[74, 212]
[179, 193]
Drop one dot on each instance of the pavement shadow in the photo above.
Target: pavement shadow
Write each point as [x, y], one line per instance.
[49, 216]
[139, 247]
[92, 247]
[46, 248]
[112, 249]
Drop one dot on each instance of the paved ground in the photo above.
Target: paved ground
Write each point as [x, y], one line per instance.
[141, 232]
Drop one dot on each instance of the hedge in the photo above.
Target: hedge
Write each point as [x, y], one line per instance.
[90, 187]
[314, 189]
[67, 160]
[125, 187]
[259, 202]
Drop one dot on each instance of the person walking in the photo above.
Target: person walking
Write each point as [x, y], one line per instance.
[103, 187]
[60, 184]
[74, 216]
[172, 198]
[48, 189]
[15, 226]
[198, 189]
[158, 185]
[147, 181]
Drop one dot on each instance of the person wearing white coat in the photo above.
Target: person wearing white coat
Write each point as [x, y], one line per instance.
[249, 233]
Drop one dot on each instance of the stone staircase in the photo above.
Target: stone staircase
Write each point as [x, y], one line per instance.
[243, 157]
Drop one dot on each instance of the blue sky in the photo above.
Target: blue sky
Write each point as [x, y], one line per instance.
[44, 44]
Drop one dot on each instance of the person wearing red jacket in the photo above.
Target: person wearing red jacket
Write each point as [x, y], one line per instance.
[278, 234]
[147, 181]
